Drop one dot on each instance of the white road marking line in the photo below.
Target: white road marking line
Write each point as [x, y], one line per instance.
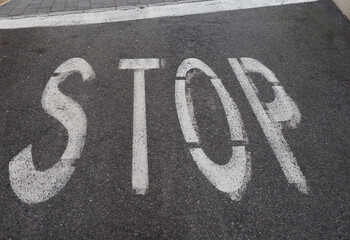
[181, 9]
[233, 116]
[283, 108]
[185, 119]
[232, 177]
[140, 180]
[33, 186]
[137, 64]
[270, 127]
[194, 63]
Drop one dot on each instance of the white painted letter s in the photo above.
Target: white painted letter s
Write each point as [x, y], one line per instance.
[33, 186]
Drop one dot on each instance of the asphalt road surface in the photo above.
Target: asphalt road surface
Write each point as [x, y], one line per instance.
[252, 170]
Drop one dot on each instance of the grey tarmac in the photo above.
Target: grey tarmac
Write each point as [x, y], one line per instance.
[306, 45]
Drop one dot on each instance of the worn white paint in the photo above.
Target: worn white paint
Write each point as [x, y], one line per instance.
[282, 109]
[183, 112]
[139, 64]
[181, 9]
[140, 180]
[234, 118]
[232, 177]
[194, 63]
[33, 186]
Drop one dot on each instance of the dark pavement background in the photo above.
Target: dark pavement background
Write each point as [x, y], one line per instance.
[306, 45]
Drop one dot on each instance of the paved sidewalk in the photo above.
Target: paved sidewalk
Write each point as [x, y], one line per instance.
[28, 7]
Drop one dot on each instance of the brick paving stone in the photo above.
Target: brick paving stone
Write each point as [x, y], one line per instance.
[5, 11]
[145, 1]
[133, 2]
[7, 5]
[23, 4]
[10, 5]
[121, 3]
[44, 10]
[19, 9]
[70, 4]
[83, 5]
[30, 11]
[25, 7]
[96, 5]
[47, 4]
[34, 5]
[65, 12]
[32, 8]
[70, 8]
[58, 6]
[108, 2]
